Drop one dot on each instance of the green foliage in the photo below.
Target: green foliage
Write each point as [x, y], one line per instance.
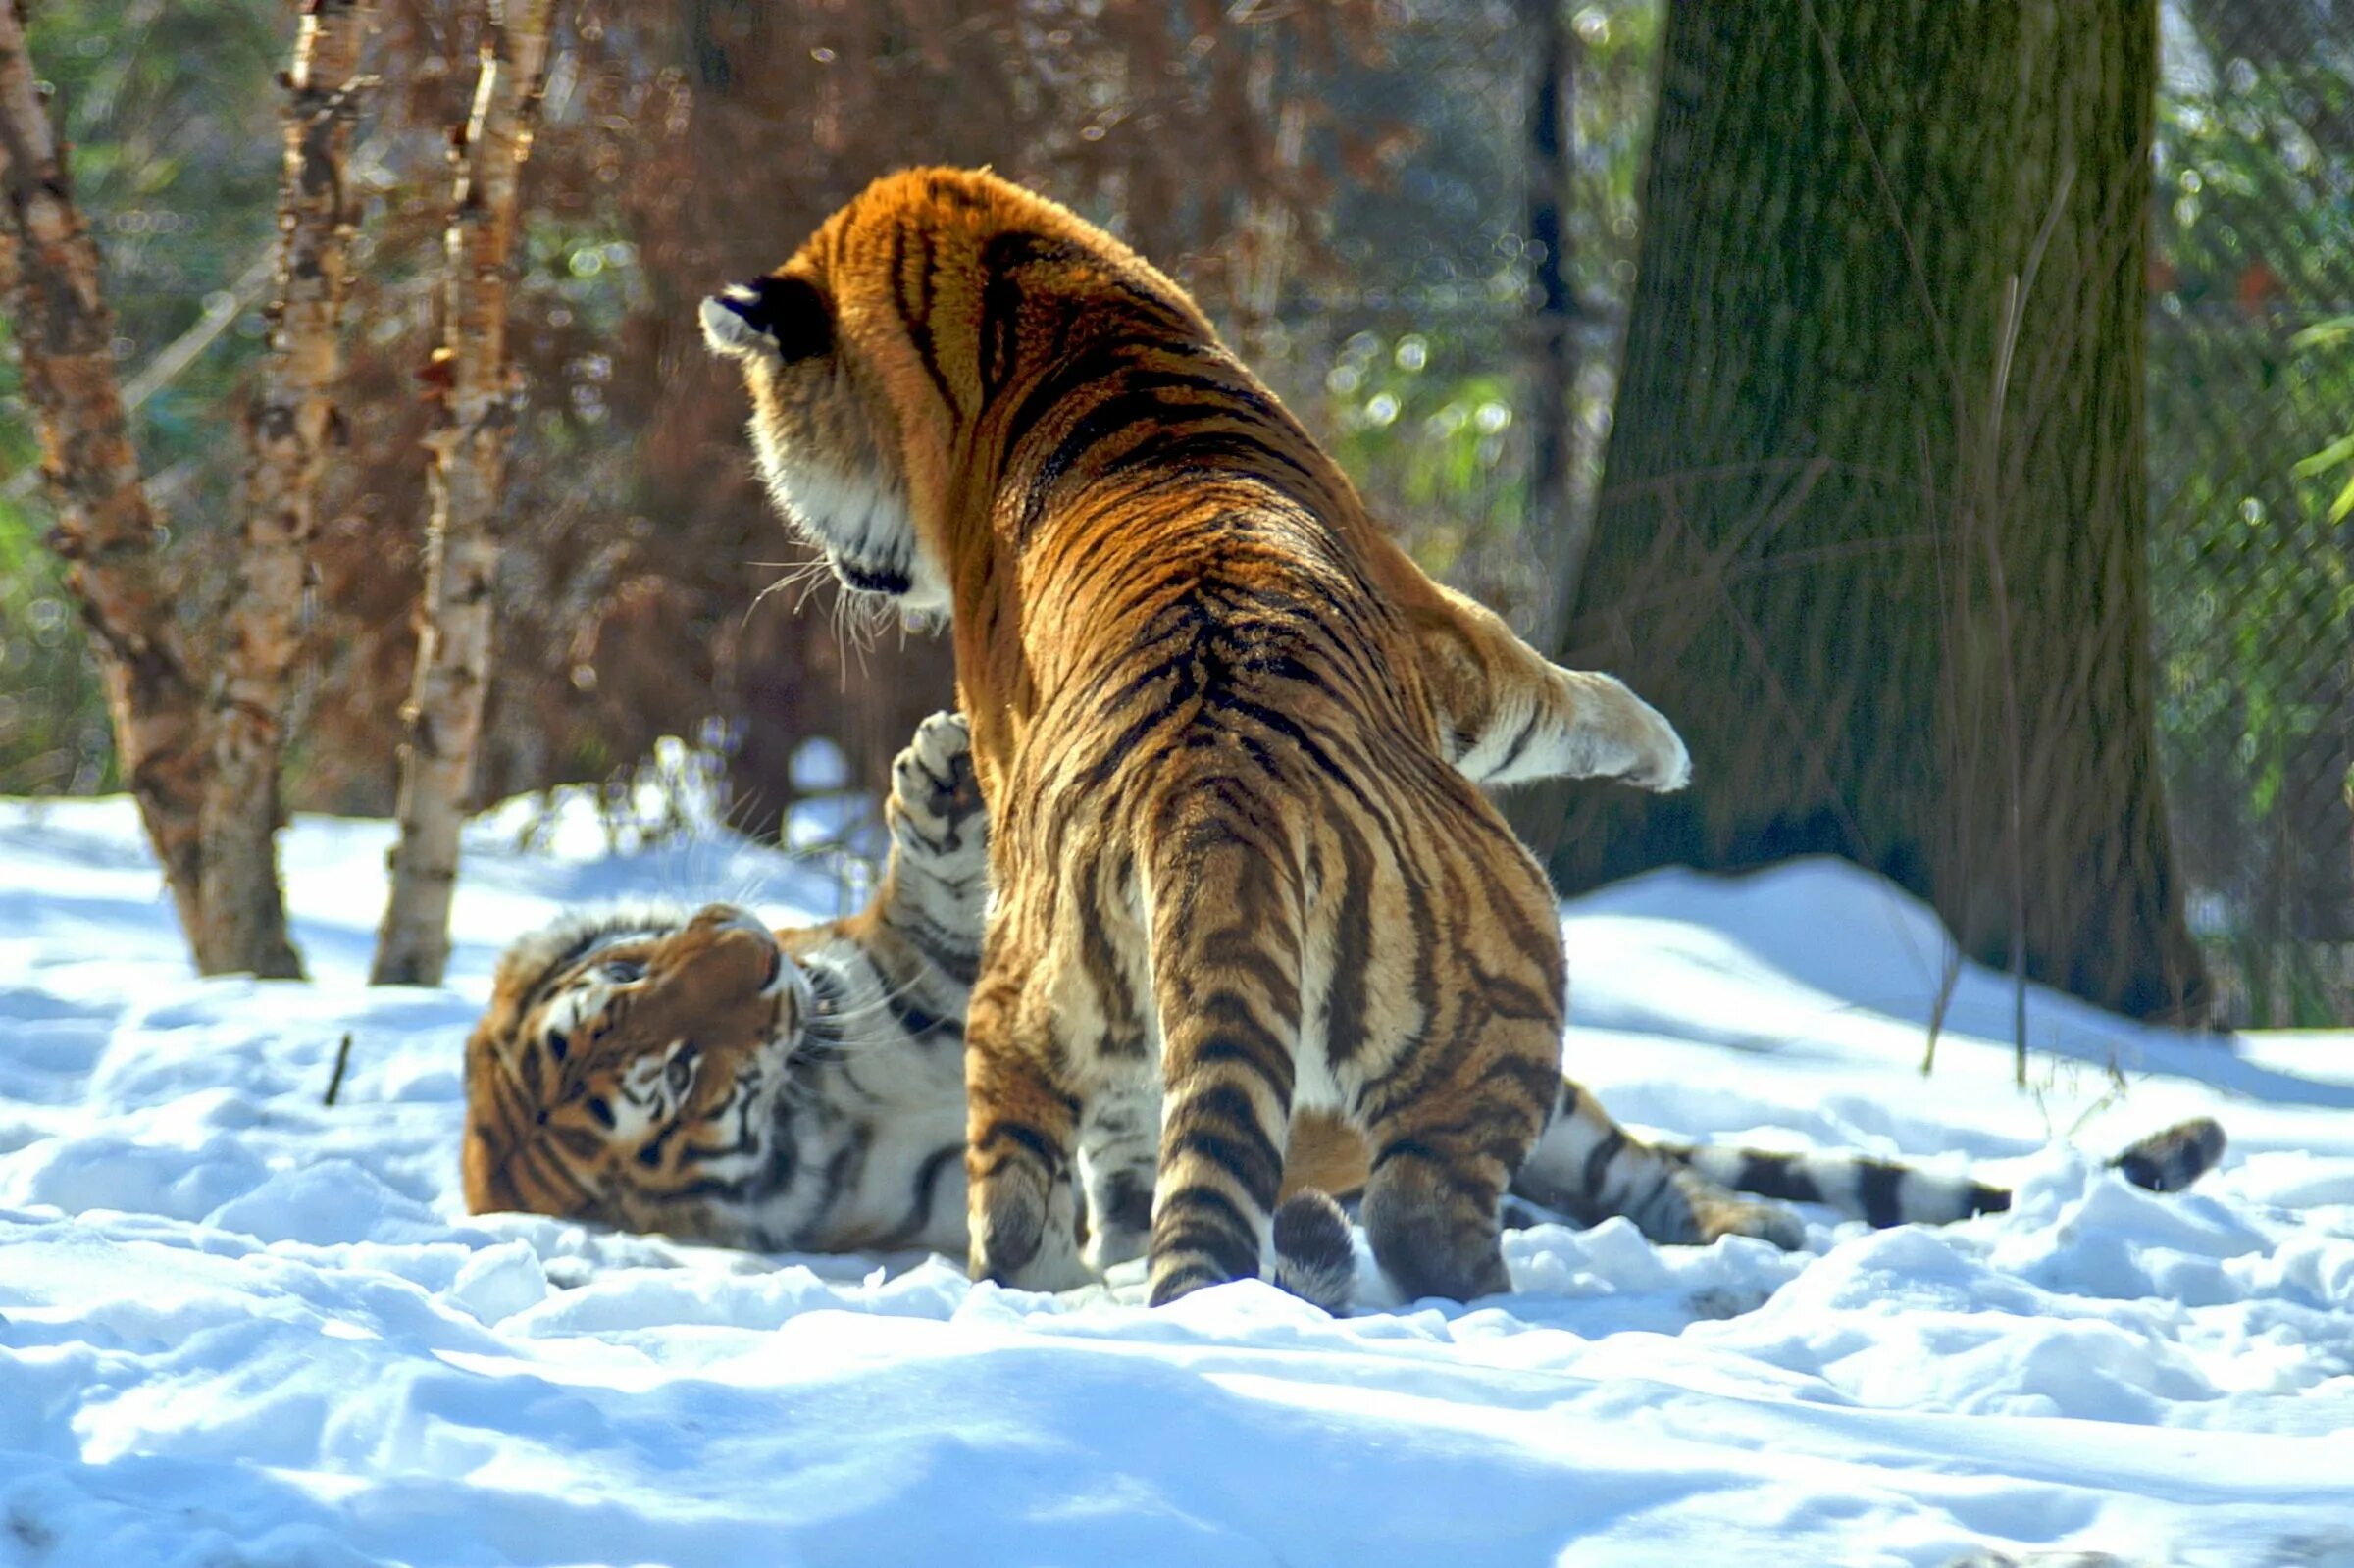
[175, 170]
[577, 284]
[53, 727]
[2336, 335]
[1418, 426]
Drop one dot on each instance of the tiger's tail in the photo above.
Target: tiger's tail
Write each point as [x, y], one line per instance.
[1314, 1258]
[1887, 1193]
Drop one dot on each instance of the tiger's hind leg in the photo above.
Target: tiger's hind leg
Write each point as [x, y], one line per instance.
[1442, 1158]
[1590, 1168]
[1020, 1126]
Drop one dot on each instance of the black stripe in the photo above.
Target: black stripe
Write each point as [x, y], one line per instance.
[1027, 1138]
[917, 312]
[1232, 1027]
[918, 1023]
[1001, 315]
[1599, 1158]
[1239, 448]
[1778, 1176]
[1345, 1033]
[922, 1191]
[1134, 410]
[1099, 363]
[1233, 1145]
[949, 952]
[838, 1170]
[1202, 1222]
[1512, 754]
[1879, 1189]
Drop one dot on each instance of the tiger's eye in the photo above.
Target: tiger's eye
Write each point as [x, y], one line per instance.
[679, 1073]
[622, 971]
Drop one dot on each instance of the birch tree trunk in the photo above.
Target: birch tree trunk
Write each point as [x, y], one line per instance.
[1874, 523]
[106, 530]
[444, 712]
[292, 423]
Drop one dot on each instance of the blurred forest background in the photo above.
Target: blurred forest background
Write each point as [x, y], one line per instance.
[1419, 220]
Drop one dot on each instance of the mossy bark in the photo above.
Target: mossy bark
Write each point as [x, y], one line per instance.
[1872, 529]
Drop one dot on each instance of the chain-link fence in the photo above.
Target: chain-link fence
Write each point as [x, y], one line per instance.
[1402, 332]
[2250, 408]
[2251, 364]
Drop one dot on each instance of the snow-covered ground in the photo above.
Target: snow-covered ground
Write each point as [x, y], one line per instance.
[240, 1327]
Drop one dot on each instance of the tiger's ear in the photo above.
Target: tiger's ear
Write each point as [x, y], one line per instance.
[788, 317]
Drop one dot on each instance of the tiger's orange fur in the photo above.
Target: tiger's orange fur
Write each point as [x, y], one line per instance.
[1236, 872]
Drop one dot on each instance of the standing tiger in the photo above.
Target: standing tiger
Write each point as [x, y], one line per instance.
[803, 1089]
[1235, 870]
[1236, 876]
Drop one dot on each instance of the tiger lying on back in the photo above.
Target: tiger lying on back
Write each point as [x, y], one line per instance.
[805, 1091]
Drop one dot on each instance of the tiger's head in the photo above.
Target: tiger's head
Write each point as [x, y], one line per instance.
[627, 1069]
[874, 354]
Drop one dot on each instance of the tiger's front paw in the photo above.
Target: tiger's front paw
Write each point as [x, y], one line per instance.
[1627, 737]
[1732, 1215]
[935, 807]
[1661, 761]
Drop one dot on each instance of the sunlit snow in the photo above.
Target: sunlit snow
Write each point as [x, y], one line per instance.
[240, 1327]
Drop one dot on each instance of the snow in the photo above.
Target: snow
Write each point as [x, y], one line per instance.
[240, 1327]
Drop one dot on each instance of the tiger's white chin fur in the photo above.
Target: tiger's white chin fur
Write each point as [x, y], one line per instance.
[862, 526]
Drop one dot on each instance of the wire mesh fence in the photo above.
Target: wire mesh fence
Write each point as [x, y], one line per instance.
[1401, 326]
[2251, 408]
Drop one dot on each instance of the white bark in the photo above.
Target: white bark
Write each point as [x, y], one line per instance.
[478, 407]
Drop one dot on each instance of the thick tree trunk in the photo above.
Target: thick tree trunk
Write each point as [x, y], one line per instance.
[292, 424]
[106, 530]
[444, 715]
[1874, 516]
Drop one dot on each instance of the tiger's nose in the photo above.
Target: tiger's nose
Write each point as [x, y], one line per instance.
[741, 937]
[718, 919]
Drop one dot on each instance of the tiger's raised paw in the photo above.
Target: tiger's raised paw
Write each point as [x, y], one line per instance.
[935, 808]
[1662, 762]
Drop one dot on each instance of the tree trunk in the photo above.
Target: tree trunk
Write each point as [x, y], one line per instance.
[1873, 529]
[476, 392]
[292, 423]
[106, 530]
[1556, 518]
